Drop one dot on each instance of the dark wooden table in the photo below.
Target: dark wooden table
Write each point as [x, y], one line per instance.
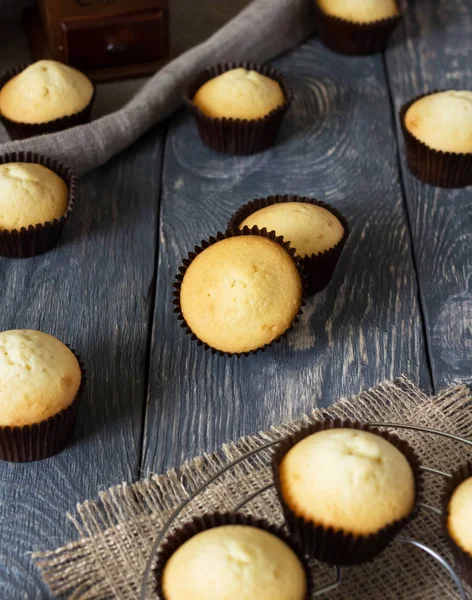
[400, 301]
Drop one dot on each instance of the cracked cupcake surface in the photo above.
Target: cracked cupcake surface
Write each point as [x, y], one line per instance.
[30, 194]
[39, 377]
[239, 94]
[347, 479]
[241, 293]
[234, 562]
[45, 91]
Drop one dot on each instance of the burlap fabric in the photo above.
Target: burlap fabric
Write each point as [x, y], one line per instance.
[117, 530]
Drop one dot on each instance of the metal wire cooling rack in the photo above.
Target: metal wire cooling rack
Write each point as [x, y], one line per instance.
[337, 579]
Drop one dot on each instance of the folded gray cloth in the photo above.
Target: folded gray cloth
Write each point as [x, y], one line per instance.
[261, 31]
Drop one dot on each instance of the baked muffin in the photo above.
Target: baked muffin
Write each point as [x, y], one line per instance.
[360, 11]
[30, 194]
[348, 479]
[234, 562]
[239, 108]
[457, 520]
[239, 94]
[356, 27]
[460, 516]
[437, 129]
[309, 228]
[45, 91]
[442, 121]
[316, 231]
[346, 491]
[39, 377]
[241, 293]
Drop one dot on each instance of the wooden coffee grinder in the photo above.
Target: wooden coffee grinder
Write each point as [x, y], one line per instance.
[106, 39]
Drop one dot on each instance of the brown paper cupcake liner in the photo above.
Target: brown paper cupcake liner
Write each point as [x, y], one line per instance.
[334, 546]
[348, 37]
[463, 559]
[213, 240]
[39, 238]
[209, 521]
[21, 131]
[318, 268]
[239, 136]
[44, 439]
[434, 167]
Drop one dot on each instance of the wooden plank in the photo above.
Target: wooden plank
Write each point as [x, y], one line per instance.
[94, 291]
[433, 50]
[337, 144]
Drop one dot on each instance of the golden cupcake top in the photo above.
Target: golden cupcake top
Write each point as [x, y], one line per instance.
[310, 229]
[234, 562]
[239, 94]
[460, 516]
[442, 121]
[347, 479]
[30, 194]
[360, 11]
[39, 377]
[241, 293]
[45, 91]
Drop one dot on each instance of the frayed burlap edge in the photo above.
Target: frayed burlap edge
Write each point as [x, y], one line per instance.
[117, 530]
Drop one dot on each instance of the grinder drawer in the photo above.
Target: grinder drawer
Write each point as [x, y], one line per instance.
[115, 41]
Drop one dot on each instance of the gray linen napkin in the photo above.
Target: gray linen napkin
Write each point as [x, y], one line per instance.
[261, 31]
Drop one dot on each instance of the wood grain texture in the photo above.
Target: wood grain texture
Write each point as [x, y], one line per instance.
[94, 291]
[433, 50]
[336, 144]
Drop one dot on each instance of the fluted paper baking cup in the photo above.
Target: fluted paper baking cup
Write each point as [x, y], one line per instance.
[210, 521]
[335, 546]
[463, 559]
[44, 439]
[318, 268]
[443, 169]
[218, 238]
[37, 238]
[347, 37]
[20, 131]
[239, 136]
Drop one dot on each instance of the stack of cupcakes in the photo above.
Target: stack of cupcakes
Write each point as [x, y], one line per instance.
[346, 490]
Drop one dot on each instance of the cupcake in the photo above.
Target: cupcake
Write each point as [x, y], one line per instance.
[239, 108]
[239, 293]
[438, 137]
[458, 519]
[44, 97]
[40, 382]
[36, 198]
[232, 557]
[346, 489]
[315, 230]
[361, 27]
